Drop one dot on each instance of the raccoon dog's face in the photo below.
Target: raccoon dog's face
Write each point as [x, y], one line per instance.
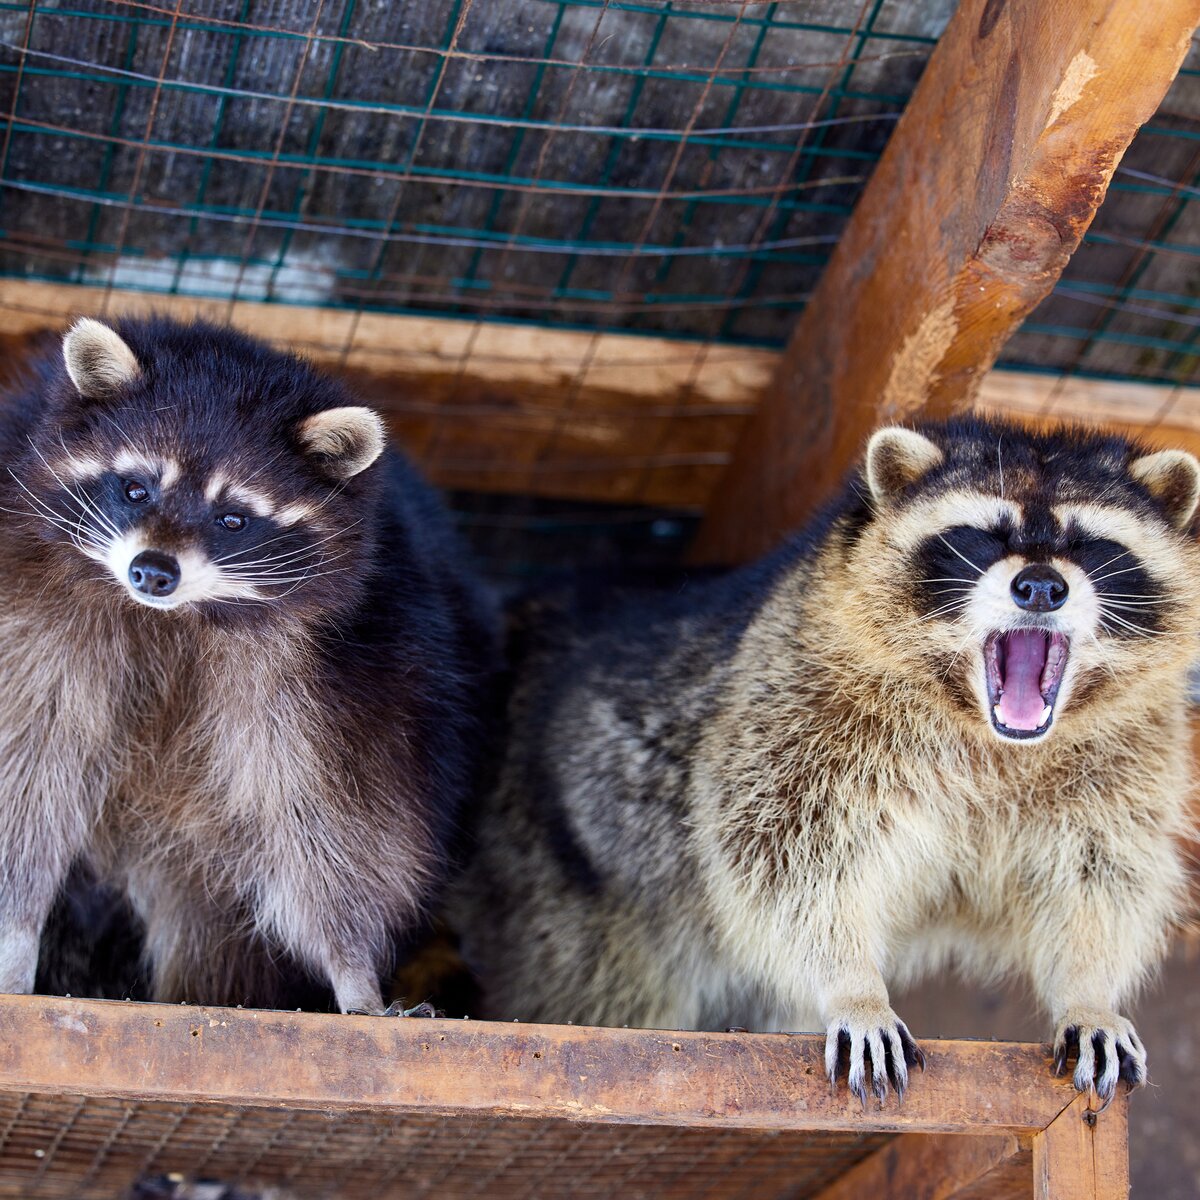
[199, 470]
[1030, 578]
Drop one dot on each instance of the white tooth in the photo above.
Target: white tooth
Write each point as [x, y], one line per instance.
[996, 713]
[1045, 715]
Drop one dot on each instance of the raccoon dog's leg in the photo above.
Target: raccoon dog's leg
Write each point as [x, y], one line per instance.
[1093, 935]
[859, 1021]
[332, 913]
[48, 801]
[822, 942]
[197, 951]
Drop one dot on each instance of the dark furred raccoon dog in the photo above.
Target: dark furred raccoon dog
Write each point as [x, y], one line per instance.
[242, 669]
[945, 727]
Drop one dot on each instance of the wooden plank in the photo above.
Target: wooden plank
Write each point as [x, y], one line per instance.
[1123, 402]
[984, 190]
[1083, 1155]
[649, 369]
[939, 1167]
[255, 1057]
[474, 403]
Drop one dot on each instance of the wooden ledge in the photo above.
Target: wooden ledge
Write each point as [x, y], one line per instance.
[314, 1061]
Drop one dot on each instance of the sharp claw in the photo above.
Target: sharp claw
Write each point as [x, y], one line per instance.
[878, 1060]
[397, 1009]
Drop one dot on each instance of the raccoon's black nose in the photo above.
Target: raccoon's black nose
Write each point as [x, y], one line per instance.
[1039, 588]
[154, 573]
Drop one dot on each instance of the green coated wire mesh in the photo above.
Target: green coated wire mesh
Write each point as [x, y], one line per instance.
[662, 166]
[679, 167]
[655, 166]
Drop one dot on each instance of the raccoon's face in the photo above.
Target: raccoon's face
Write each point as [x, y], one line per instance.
[223, 496]
[1031, 578]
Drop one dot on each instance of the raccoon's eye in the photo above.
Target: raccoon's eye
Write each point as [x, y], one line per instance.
[135, 492]
[232, 521]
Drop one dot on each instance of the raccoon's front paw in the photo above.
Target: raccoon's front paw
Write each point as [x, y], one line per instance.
[424, 1009]
[397, 1009]
[1106, 1046]
[878, 1043]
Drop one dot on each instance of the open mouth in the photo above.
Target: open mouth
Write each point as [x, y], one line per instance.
[1024, 670]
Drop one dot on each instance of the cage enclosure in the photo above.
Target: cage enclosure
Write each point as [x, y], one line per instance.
[631, 280]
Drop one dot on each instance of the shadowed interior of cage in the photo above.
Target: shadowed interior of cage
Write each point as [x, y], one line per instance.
[532, 183]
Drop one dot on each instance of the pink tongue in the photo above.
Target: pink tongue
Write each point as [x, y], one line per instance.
[1021, 704]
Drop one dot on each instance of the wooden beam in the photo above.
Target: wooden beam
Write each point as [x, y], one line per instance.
[938, 1167]
[983, 192]
[651, 420]
[1118, 402]
[314, 1061]
[489, 407]
[1083, 1155]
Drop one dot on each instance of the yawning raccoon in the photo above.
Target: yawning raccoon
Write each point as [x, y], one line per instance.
[242, 667]
[944, 727]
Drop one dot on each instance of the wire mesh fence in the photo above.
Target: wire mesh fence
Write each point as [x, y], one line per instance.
[74, 1148]
[679, 168]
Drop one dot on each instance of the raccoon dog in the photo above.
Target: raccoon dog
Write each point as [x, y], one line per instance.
[243, 669]
[944, 727]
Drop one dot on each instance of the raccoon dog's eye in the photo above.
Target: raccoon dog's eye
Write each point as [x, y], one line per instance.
[135, 492]
[232, 521]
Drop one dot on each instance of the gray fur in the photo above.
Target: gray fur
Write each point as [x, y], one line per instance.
[762, 801]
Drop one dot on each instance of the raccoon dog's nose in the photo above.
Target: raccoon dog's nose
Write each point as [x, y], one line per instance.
[154, 573]
[1039, 588]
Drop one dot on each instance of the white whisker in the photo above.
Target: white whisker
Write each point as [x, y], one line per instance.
[961, 555]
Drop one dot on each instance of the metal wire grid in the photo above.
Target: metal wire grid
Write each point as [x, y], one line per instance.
[60, 1147]
[1128, 304]
[673, 166]
[664, 165]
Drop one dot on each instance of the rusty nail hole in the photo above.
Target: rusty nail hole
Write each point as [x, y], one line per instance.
[195, 1033]
[676, 1047]
[1089, 1119]
[537, 1054]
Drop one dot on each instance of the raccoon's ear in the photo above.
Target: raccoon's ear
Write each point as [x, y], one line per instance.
[1172, 477]
[344, 440]
[97, 360]
[897, 457]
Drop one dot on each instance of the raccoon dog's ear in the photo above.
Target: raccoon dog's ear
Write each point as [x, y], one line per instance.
[897, 457]
[344, 440]
[97, 360]
[1172, 477]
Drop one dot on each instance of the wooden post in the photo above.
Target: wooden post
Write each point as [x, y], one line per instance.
[985, 189]
[1083, 1154]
